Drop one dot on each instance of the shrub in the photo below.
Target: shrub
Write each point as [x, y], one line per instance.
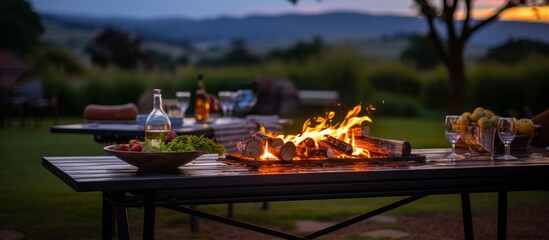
[436, 90]
[337, 69]
[390, 104]
[396, 78]
[68, 97]
[56, 58]
[509, 89]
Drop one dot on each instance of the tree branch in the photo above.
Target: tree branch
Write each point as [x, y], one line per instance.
[426, 9]
[467, 19]
[429, 13]
[466, 34]
[449, 21]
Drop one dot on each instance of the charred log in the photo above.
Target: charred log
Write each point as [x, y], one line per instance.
[285, 152]
[274, 142]
[387, 147]
[252, 148]
[336, 144]
[307, 143]
[359, 131]
[306, 153]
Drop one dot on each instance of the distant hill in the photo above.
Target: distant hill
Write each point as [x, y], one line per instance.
[375, 36]
[292, 26]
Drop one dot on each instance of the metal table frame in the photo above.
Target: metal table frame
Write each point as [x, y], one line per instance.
[235, 184]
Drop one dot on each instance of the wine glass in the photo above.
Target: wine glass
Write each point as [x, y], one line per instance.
[228, 100]
[183, 100]
[506, 132]
[452, 129]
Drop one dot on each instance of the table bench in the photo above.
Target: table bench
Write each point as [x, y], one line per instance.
[30, 98]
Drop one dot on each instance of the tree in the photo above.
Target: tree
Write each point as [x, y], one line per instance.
[115, 47]
[514, 51]
[56, 58]
[421, 52]
[239, 54]
[20, 26]
[299, 51]
[450, 49]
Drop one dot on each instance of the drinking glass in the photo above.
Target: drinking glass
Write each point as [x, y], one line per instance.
[228, 100]
[452, 129]
[506, 132]
[183, 100]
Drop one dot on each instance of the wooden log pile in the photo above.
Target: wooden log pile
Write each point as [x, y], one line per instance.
[255, 147]
[328, 147]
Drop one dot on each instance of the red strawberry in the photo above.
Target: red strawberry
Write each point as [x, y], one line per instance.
[134, 142]
[121, 147]
[136, 148]
[170, 137]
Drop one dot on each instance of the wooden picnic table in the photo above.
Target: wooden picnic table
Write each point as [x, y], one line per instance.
[210, 179]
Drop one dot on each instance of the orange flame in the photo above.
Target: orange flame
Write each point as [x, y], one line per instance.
[323, 128]
[266, 154]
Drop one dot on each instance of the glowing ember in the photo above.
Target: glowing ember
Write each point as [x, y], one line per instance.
[339, 135]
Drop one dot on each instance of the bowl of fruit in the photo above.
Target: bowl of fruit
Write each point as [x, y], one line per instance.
[167, 153]
[479, 132]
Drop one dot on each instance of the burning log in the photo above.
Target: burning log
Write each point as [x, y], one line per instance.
[389, 147]
[307, 149]
[338, 145]
[359, 131]
[276, 146]
[285, 152]
[252, 148]
[273, 142]
[307, 143]
[306, 153]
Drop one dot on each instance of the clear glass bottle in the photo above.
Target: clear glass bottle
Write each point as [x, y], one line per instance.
[202, 105]
[158, 123]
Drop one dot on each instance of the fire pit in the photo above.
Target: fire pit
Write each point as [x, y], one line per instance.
[237, 157]
[347, 142]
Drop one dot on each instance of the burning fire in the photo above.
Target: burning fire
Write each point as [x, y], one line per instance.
[339, 134]
[266, 154]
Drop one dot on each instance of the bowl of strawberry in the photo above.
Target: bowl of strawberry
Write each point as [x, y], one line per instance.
[166, 153]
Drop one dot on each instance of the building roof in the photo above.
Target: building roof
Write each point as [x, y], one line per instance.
[9, 62]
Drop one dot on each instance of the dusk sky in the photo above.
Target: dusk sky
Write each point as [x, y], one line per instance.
[199, 9]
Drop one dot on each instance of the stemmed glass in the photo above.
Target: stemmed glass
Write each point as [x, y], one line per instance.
[452, 129]
[228, 100]
[183, 100]
[506, 132]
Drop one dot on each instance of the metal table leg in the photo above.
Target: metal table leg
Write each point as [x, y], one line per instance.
[193, 221]
[502, 215]
[122, 222]
[149, 215]
[230, 210]
[467, 216]
[106, 219]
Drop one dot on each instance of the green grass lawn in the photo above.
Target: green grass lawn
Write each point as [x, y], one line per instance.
[41, 206]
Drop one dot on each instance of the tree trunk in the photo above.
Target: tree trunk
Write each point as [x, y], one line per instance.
[456, 72]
